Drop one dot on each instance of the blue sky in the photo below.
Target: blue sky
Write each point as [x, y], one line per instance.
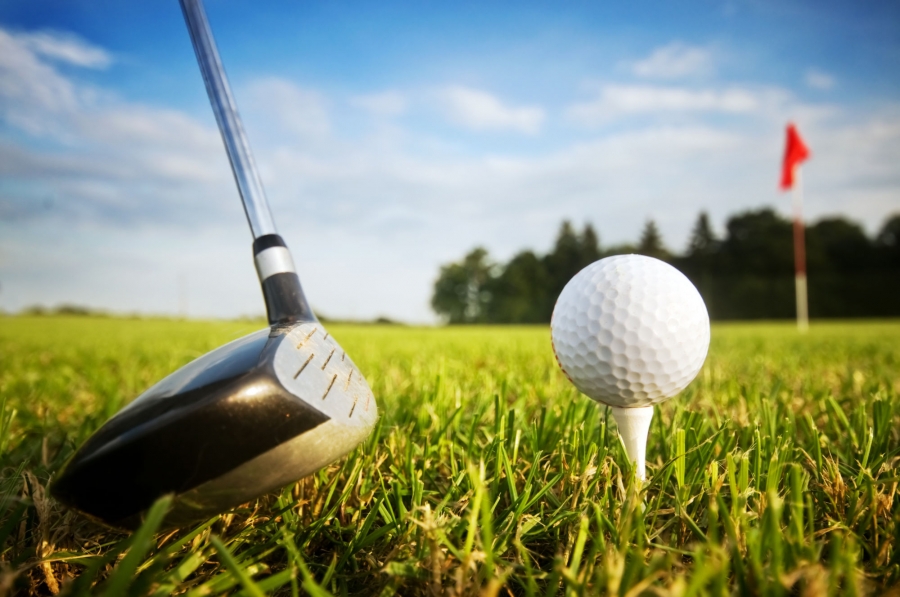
[393, 137]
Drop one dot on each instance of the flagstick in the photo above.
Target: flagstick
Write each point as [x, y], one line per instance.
[800, 255]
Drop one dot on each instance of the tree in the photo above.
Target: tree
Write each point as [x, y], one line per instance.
[838, 245]
[758, 242]
[565, 259]
[753, 268]
[888, 243]
[699, 260]
[703, 241]
[521, 293]
[748, 274]
[460, 292]
[571, 253]
[590, 245]
[651, 243]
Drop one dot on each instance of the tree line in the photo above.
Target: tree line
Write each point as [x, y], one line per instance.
[747, 274]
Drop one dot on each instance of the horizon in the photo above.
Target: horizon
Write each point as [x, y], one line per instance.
[684, 261]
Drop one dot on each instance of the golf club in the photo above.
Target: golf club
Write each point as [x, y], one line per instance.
[245, 419]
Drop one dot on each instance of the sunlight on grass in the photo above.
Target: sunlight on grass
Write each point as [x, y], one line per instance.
[773, 473]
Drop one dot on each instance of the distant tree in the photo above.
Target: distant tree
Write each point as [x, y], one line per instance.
[590, 245]
[620, 249]
[889, 235]
[522, 292]
[565, 259]
[67, 309]
[758, 242]
[753, 268]
[887, 242]
[703, 241]
[461, 292]
[699, 260]
[747, 274]
[382, 320]
[838, 245]
[571, 253]
[651, 243]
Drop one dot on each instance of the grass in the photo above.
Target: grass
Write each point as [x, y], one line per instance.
[775, 472]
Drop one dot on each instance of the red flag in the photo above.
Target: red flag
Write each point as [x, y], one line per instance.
[795, 152]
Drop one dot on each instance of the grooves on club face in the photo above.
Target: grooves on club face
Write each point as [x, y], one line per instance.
[239, 422]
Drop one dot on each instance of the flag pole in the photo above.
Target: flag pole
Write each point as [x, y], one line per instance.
[800, 255]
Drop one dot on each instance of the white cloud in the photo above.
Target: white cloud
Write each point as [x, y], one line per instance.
[818, 79]
[300, 111]
[385, 103]
[480, 111]
[623, 100]
[65, 47]
[30, 88]
[674, 61]
[100, 157]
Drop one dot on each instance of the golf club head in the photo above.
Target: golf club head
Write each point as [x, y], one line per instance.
[245, 419]
[239, 422]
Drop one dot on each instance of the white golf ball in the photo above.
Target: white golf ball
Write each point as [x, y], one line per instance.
[630, 331]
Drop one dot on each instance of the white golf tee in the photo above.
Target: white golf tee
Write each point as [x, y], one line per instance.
[634, 426]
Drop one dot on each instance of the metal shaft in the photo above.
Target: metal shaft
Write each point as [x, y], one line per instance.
[242, 165]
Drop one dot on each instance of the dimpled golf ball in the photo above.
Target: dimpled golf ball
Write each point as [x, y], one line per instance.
[630, 331]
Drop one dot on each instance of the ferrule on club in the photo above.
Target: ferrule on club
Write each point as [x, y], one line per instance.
[285, 301]
[634, 427]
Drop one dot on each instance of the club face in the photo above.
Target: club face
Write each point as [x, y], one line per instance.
[237, 423]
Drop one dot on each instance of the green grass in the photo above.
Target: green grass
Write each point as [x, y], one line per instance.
[775, 472]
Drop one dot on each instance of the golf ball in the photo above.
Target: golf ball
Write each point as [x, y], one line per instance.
[630, 331]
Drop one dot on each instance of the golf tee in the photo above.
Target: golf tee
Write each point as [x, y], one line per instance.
[634, 426]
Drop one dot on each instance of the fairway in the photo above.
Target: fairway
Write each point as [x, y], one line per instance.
[775, 472]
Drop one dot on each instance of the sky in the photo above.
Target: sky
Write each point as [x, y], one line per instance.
[394, 137]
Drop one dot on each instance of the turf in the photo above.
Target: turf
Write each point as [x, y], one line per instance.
[775, 473]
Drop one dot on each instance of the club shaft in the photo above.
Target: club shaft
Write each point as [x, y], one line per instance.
[242, 165]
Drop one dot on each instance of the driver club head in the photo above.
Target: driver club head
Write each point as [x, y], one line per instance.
[245, 419]
[239, 422]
